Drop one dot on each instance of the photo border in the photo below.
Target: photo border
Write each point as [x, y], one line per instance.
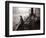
[7, 18]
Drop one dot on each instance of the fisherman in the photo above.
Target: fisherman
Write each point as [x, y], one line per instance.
[21, 27]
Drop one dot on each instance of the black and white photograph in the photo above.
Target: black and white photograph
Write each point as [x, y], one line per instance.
[24, 18]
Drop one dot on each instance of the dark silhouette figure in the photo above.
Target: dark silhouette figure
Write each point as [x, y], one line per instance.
[21, 27]
[32, 16]
[34, 24]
